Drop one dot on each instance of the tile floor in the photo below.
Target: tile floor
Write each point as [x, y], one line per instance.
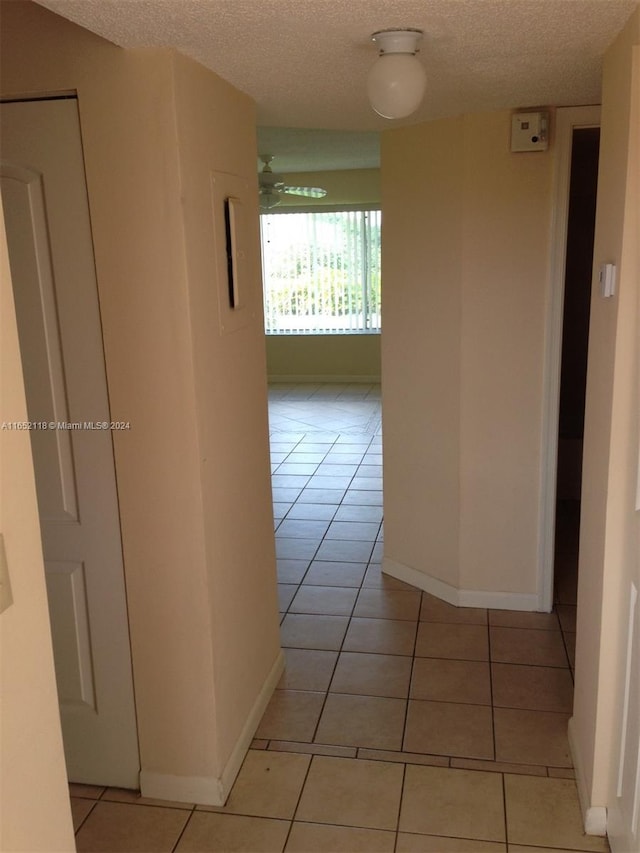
[401, 723]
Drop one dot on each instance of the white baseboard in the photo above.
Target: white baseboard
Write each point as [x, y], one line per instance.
[181, 789]
[248, 730]
[460, 597]
[213, 790]
[594, 818]
[300, 378]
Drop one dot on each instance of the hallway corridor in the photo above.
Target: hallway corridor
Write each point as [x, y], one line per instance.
[401, 723]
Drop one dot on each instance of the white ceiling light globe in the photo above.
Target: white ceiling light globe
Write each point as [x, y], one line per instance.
[397, 82]
[396, 85]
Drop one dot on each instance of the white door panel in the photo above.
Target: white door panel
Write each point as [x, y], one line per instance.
[23, 197]
[624, 812]
[67, 593]
[52, 264]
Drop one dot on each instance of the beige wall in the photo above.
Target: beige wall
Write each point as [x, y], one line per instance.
[422, 274]
[609, 525]
[346, 186]
[154, 125]
[465, 266]
[335, 358]
[505, 244]
[326, 358]
[231, 402]
[30, 736]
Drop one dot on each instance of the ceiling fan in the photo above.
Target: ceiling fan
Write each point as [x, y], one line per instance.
[272, 187]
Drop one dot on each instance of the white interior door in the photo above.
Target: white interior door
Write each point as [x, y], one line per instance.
[51, 255]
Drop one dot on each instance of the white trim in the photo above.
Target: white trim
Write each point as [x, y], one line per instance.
[213, 790]
[422, 581]
[496, 600]
[594, 818]
[460, 597]
[567, 119]
[334, 380]
[181, 789]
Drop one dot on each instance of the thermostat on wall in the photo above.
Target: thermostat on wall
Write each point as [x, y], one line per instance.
[530, 131]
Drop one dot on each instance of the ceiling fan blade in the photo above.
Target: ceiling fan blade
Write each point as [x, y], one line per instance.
[307, 192]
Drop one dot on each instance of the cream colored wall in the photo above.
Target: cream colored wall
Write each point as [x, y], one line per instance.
[328, 357]
[144, 136]
[231, 405]
[465, 266]
[331, 358]
[505, 245]
[30, 734]
[422, 274]
[608, 545]
[133, 180]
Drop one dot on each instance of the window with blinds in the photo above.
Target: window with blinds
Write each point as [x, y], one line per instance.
[321, 272]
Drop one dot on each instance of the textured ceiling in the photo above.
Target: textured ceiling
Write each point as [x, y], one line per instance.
[305, 62]
[304, 150]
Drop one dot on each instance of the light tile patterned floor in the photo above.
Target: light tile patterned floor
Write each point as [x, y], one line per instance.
[401, 723]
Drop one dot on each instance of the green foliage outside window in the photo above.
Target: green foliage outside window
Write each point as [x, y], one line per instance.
[321, 272]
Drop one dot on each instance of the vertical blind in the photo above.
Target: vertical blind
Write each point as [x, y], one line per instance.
[321, 272]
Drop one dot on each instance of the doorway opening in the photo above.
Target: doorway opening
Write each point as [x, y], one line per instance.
[573, 370]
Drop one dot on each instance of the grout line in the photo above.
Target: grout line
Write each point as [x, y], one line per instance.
[504, 806]
[490, 667]
[566, 651]
[84, 819]
[297, 806]
[512, 768]
[413, 663]
[184, 828]
[404, 776]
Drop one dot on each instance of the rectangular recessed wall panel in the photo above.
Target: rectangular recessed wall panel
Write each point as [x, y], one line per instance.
[66, 590]
[40, 344]
[628, 788]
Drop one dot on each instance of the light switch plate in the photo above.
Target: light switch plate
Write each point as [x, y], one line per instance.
[6, 597]
[607, 280]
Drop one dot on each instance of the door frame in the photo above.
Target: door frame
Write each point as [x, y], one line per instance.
[567, 119]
